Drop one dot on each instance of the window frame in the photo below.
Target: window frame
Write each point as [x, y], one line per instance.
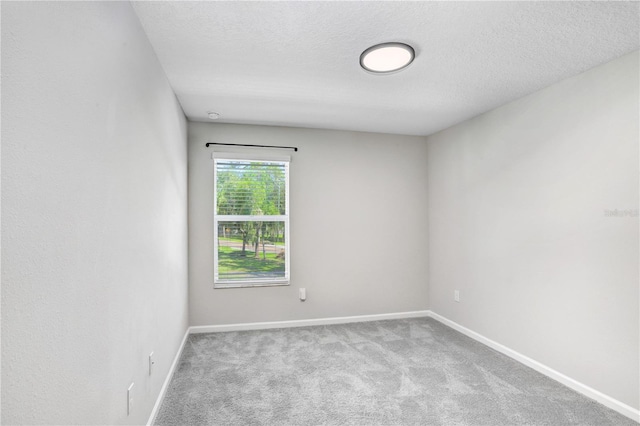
[222, 284]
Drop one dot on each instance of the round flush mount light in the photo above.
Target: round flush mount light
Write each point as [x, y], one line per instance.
[213, 115]
[387, 57]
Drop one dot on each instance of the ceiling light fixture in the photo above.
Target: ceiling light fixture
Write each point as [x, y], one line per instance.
[213, 115]
[387, 57]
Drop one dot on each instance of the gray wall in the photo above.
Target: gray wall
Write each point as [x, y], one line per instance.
[371, 187]
[517, 223]
[94, 215]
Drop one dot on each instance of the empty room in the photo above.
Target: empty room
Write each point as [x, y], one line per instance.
[320, 213]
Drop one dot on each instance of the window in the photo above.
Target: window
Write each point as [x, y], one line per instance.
[251, 222]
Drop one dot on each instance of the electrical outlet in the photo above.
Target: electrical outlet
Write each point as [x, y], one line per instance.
[456, 295]
[130, 399]
[151, 363]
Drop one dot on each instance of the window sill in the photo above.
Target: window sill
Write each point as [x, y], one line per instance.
[244, 284]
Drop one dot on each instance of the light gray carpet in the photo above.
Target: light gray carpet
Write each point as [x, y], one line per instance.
[397, 372]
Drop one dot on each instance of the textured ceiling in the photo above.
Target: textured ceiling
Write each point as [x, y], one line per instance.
[296, 63]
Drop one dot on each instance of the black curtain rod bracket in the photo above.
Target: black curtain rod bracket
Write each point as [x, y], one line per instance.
[252, 146]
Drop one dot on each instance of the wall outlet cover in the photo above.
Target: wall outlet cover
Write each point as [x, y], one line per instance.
[130, 398]
[151, 363]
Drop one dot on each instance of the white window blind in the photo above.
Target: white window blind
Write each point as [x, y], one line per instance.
[251, 222]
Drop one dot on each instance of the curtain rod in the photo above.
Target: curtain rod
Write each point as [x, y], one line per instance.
[252, 146]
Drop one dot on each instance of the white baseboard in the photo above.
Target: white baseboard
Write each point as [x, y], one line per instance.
[305, 323]
[603, 399]
[167, 380]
